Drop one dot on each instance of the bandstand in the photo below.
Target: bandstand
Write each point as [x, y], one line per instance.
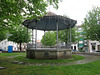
[49, 22]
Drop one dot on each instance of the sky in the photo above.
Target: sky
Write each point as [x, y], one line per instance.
[74, 9]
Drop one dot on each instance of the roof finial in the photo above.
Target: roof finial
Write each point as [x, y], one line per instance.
[49, 8]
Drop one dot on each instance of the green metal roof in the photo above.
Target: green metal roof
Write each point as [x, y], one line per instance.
[49, 23]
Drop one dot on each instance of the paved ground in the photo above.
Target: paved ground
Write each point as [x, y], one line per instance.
[13, 56]
[88, 58]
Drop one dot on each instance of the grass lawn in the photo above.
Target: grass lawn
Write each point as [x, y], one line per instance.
[92, 68]
[22, 57]
[74, 58]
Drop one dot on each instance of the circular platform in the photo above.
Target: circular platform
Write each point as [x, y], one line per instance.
[48, 53]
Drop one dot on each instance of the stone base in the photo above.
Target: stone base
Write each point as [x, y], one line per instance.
[48, 53]
[0, 51]
[2, 68]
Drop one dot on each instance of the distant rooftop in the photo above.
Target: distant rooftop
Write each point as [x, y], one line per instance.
[49, 14]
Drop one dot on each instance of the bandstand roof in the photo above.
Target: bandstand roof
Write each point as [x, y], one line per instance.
[49, 22]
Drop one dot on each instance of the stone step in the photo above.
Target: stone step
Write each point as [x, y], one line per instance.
[2, 68]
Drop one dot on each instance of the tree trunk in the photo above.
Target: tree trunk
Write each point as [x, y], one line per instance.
[66, 44]
[20, 47]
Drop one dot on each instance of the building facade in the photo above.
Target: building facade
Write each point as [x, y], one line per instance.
[16, 47]
[80, 36]
[5, 43]
[94, 46]
[74, 47]
[86, 45]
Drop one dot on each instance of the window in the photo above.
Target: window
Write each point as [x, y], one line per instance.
[80, 42]
[15, 48]
[5, 42]
[5, 48]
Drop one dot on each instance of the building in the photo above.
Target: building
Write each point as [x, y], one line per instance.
[16, 47]
[5, 43]
[80, 36]
[93, 46]
[74, 47]
[80, 39]
[86, 45]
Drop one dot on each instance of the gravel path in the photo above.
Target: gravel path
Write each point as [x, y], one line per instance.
[88, 58]
[13, 56]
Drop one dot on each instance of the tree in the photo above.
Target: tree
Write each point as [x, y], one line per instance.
[95, 32]
[14, 11]
[19, 35]
[63, 35]
[91, 24]
[50, 38]
[3, 35]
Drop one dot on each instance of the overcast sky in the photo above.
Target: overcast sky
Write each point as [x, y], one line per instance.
[74, 9]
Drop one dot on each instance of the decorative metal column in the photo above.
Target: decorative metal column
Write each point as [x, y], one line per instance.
[27, 36]
[44, 39]
[57, 35]
[36, 38]
[70, 36]
[32, 36]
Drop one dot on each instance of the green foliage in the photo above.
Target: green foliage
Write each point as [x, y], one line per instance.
[63, 35]
[19, 35]
[91, 26]
[50, 38]
[14, 11]
[54, 3]
[95, 32]
[3, 35]
[10, 11]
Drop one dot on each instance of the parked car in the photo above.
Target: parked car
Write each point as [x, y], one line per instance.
[2, 50]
